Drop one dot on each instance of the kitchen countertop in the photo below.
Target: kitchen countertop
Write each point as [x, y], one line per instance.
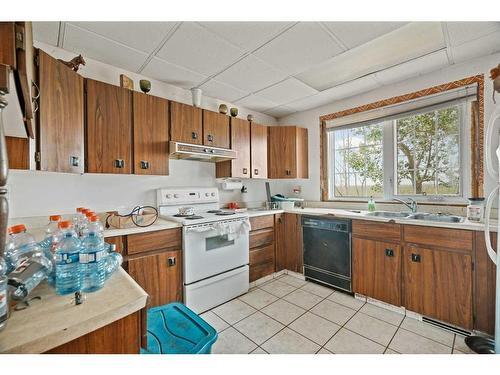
[160, 224]
[54, 320]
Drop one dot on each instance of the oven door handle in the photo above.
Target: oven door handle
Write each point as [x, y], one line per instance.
[202, 229]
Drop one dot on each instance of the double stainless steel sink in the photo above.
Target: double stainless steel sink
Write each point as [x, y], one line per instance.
[444, 218]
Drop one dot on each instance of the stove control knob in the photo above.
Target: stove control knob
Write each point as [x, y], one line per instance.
[207, 194]
[169, 196]
[176, 195]
[213, 194]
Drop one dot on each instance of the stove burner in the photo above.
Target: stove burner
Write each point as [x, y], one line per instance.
[224, 213]
[183, 215]
[213, 211]
[193, 217]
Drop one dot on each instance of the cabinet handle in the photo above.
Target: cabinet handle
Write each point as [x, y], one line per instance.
[171, 261]
[74, 161]
[389, 252]
[119, 163]
[256, 172]
[144, 164]
[415, 258]
[245, 170]
[210, 138]
[194, 135]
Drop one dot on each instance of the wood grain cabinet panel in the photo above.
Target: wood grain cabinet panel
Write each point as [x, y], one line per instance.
[438, 237]
[376, 270]
[215, 129]
[258, 149]
[376, 231]
[186, 123]
[159, 275]
[293, 243]
[18, 150]
[261, 237]
[8, 44]
[438, 284]
[287, 152]
[279, 239]
[150, 134]
[240, 142]
[109, 128]
[61, 117]
[261, 222]
[262, 262]
[152, 241]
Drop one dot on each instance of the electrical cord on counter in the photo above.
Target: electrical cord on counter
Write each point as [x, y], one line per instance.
[133, 216]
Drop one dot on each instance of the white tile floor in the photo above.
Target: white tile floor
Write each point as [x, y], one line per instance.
[290, 315]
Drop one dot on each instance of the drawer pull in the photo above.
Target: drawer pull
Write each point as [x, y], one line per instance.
[256, 172]
[144, 164]
[210, 138]
[245, 170]
[415, 258]
[389, 252]
[171, 261]
[119, 163]
[194, 135]
[74, 161]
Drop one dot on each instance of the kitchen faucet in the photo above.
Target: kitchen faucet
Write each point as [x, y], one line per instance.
[410, 203]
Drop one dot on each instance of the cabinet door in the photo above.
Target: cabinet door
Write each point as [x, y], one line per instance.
[185, 123]
[293, 243]
[18, 152]
[302, 154]
[215, 129]
[258, 147]
[61, 118]
[376, 270]
[240, 141]
[159, 275]
[438, 284]
[279, 242]
[282, 152]
[150, 134]
[109, 128]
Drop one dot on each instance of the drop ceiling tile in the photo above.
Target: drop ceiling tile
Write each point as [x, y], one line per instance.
[287, 91]
[91, 45]
[196, 49]
[46, 32]
[256, 103]
[408, 42]
[280, 111]
[413, 68]
[251, 74]
[461, 32]
[483, 46]
[304, 45]
[142, 36]
[246, 35]
[220, 90]
[172, 74]
[353, 34]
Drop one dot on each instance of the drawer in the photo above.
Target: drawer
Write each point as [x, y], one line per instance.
[376, 231]
[261, 255]
[158, 240]
[261, 270]
[438, 237]
[261, 237]
[261, 222]
[118, 241]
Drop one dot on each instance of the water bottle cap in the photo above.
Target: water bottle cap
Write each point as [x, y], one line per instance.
[55, 217]
[84, 211]
[89, 214]
[79, 209]
[17, 229]
[65, 224]
[93, 218]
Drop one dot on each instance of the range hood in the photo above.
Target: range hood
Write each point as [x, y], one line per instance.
[188, 151]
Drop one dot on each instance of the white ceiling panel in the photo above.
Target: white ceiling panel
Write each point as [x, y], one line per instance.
[280, 111]
[246, 35]
[413, 68]
[142, 36]
[461, 32]
[199, 50]
[172, 74]
[287, 91]
[486, 45]
[300, 47]
[90, 44]
[220, 90]
[353, 34]
[251, 74]
[46, 32]
[411, 41]
[256, 103]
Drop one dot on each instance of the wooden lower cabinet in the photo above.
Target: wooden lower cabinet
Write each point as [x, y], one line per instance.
[160, 275]
[262, 247]
[289, 249]
[376, 270]
[120, 337]
[438, 284]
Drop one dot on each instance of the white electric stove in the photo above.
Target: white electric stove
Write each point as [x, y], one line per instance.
[215, 246]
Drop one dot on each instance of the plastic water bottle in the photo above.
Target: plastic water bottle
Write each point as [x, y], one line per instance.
[49, 243]
[78, 219]
[67, 256]
[84, 222]
[93, 257]
[113, 261]
[4, 310]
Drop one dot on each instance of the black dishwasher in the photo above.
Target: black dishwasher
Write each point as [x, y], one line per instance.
[327, 250]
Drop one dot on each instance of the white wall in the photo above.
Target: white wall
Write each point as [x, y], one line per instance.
[310, 118]
[35, 193]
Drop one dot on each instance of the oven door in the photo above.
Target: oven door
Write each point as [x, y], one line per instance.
[208, 253]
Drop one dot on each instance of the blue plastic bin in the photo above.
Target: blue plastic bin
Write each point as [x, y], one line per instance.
[175, 329]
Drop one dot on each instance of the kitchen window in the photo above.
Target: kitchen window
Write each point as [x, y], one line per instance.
[411, 150]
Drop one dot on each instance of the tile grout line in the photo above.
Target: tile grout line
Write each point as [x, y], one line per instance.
[395, 333]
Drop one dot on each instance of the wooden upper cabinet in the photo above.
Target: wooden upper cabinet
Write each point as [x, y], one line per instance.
[215, 129]
[109, 128]
[150, 134]
[258, 146]
[288, 152]
[8, 44]
[61, 117]
[18, 150]
[186, 123]
[240, 142]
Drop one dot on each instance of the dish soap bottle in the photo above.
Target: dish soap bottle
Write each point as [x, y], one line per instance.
[371, 204]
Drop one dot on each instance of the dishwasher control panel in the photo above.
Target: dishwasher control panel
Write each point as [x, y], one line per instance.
[337, 225]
